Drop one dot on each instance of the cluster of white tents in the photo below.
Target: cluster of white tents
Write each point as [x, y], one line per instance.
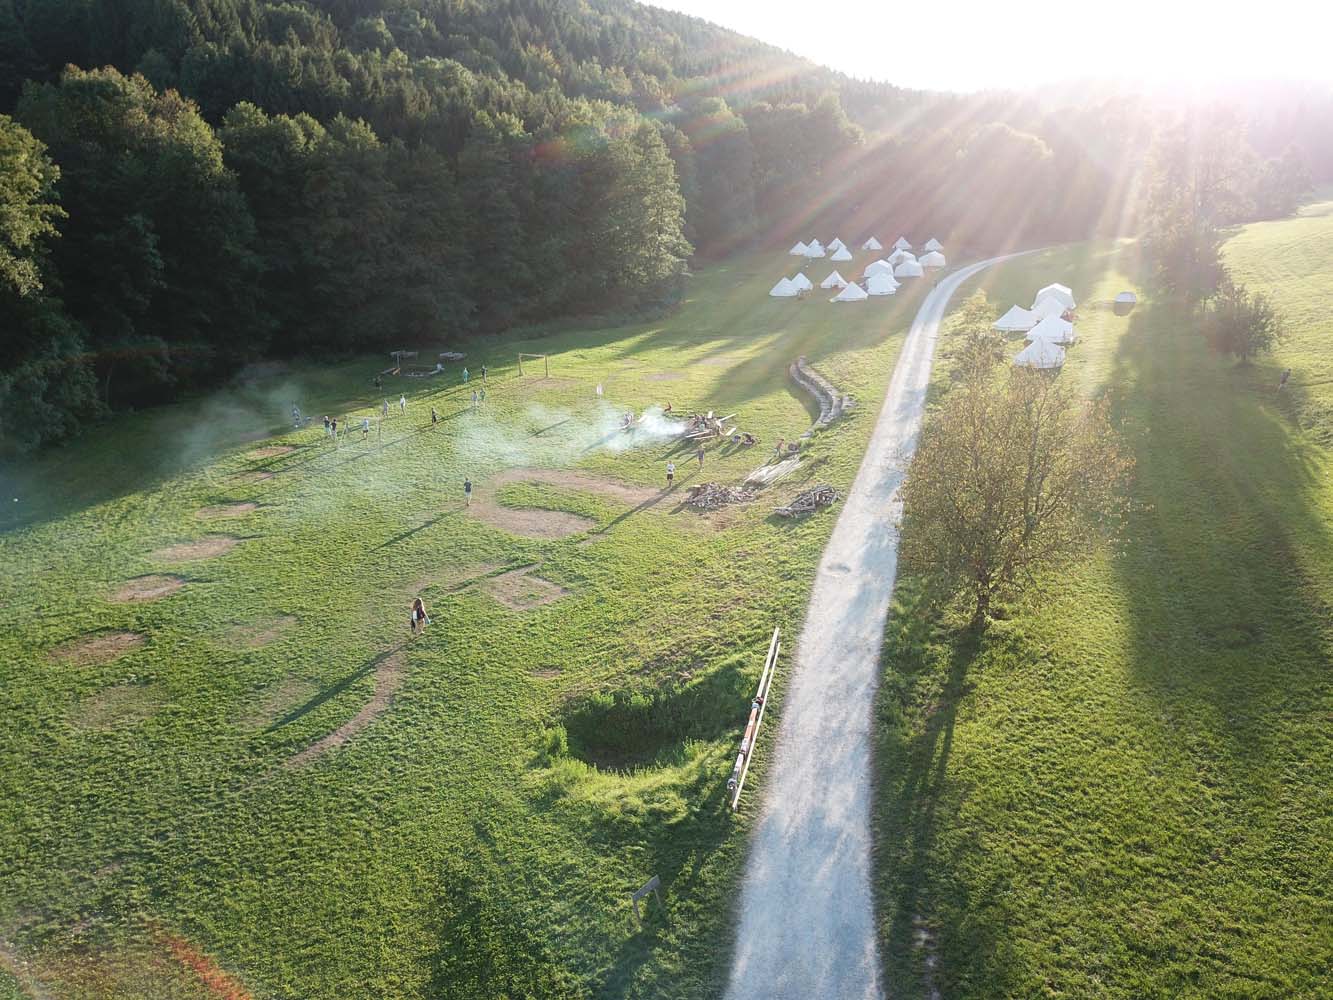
[1046, 326]
[880, 277]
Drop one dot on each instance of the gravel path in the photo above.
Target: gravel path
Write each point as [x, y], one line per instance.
[807, 920]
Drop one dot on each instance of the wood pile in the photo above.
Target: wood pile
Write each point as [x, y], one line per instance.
[809, 501]
[712, 496]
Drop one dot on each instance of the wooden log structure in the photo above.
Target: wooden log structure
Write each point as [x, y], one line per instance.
[736, 783]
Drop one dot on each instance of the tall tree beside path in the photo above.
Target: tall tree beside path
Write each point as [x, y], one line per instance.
[1014, 473]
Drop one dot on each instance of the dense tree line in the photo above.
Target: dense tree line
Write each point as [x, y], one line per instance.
[201, 182]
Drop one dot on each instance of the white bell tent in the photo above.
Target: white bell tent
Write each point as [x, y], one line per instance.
[834, 280]
[872, 244]
[1049, 306]
[898, 256]
[876, 266]
[802, 283]
[908, 269]
[836, 244]
[798, 250]
[784, 289]
[881, 284]
[932, 259]
[1054, 329]
[1126, 299]
[813, 250]
[852, 293]
[1016, 320]
[1062, 292]
[902, 244]
[934, 244]
[1040, 354]
[841, 254]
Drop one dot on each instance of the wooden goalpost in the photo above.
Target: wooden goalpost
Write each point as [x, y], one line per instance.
[545, 360]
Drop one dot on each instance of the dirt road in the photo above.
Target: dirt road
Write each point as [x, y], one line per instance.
[807, 921]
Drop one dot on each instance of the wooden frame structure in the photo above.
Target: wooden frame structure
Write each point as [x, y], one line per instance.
[736, 783]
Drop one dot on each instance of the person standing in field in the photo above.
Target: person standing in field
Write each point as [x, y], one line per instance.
[419, 617]
[482, 397]
[365, 428]
[700, 456]
[402, 404]
[384, 410]
[326, 425]
[671, 473]
[1282, 382]
[474, 399]
[434, 417]
[465, 375]
[467, 492]
[483, 373]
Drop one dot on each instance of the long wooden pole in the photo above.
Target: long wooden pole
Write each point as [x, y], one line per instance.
[736, 783]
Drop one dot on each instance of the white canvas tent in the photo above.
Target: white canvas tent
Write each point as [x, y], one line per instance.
[1049, 306]
[802, 282]
[1061, 292]
[902, 244]
[898, 256]
[908, 269]
[880, 283]
[934, 244]
[1016, 320]
[834, 280]
[784, 289]
[1054, 329]
[836, 244]
[872, 244]
[841, 254]
[932, 259]
[1126, 299]
[1040, 354]
[798, 250]
[852, 293]
[814, 250]
[877, 265]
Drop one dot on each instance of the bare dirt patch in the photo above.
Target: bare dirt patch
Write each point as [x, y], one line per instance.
[148, 588]
[539, 522]
[239, 509]
[663, 377]
[389, 673]
[115, 706]
[546, 673]
[261, 633]
[277, 700]
[204, 548]
[100, 648]
[271, 451]
[519, 590]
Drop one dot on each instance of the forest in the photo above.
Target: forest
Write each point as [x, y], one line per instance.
[187, 186]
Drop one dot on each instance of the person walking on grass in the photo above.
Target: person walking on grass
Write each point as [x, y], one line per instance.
[1282, 382]
[465, 375]
[384, 410]
[467, 492]
[700, 456]
[483, 374]
[419, 617]
[326, 425]
[402, 404]
[671, 473]
[474, 399]
[434, 417]
[365, 428]
[482, 396]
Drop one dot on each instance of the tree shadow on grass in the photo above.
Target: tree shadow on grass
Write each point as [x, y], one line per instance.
[1227, 557]
[917, 709]
[334, 690]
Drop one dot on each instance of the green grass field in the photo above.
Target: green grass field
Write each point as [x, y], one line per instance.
[175, 835]
[1122, 790]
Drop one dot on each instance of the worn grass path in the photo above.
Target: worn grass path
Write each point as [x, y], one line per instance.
[807, 923]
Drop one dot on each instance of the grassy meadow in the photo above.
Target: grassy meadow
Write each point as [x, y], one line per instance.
[252, 784]
[1122, 789]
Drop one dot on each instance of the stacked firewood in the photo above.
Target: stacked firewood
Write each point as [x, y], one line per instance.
[809, 501]
[711, 496]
